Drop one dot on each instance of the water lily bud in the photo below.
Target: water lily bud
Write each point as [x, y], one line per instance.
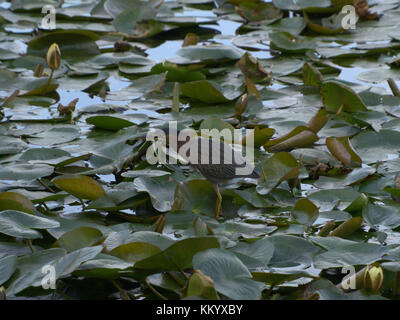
[201, 285]
[241, 105]
[373, 278]
[53, 57]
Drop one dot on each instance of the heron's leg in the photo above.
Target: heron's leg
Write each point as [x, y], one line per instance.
[219, 201]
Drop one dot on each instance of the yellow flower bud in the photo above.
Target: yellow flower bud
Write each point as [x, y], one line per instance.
[53, 57]
[373, 277]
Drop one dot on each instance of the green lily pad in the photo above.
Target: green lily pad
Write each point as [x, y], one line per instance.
[16, 201]
[305, 211]
[79, 238]
[230, 275]
[135, 251]
[20, 224]
[160, 190]
[179, 255]
[82, 187]
[72, 43]
[109, 122]
[209, 92]
[7, 267]
[278, 168]
[337, 96]
[210, 52]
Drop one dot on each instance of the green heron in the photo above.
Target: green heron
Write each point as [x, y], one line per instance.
[211, 156]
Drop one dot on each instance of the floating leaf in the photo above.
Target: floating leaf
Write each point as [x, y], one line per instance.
[336, 96]
[342, 252]
[297, 5]
[210, 52]
[179, 255]
[160, 190]
[208, 92]
[258, 12]
[342, 149]
[16, 201]
[297, 138]
[230, 275]
[311, 75]
[318, 121]
[109, 122]
[286, 42]
[82, 187]
[72, 43]
[278, 168]
[135, 251]
[20, 224]
[25, 171]
[7, 267]
[79, 238]
[331, 25]
[347, 228]
[305, 211]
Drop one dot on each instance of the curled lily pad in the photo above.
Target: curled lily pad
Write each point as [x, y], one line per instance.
[347, 228]
[252, 69]
[342, 149]
[331, 25]
[318, 121]
[299, 137]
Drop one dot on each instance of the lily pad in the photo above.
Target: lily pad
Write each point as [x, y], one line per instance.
[82, 187]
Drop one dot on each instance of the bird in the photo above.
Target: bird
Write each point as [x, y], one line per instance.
[209, 149]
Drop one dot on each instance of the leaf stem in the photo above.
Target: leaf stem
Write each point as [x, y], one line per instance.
[396, 284]
[49, 80]
[45, 185]
[175, 278]
[29, 241]
[124, 295]
[152, 289]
